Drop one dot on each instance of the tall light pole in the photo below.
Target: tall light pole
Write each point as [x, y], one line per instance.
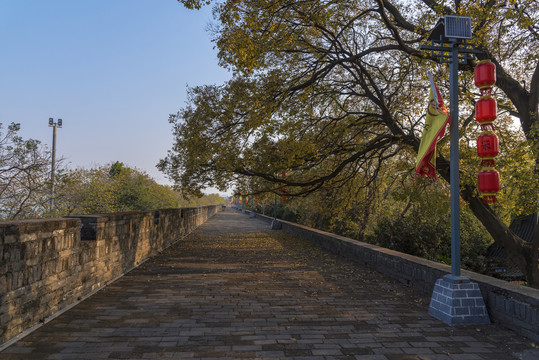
[455, 299]
[275, 224]
[54, 125]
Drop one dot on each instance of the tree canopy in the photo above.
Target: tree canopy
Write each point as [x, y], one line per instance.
[24, 175]
[25, 185]
[332, 91]
[116, 187]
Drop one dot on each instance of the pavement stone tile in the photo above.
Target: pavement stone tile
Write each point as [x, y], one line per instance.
[386, 351]
[435, 357]
[425, 344]
[402, 357]
[371, 357]
[418, 351]
[397, 344]
[326, 352]
[233, 289]
[465, 357]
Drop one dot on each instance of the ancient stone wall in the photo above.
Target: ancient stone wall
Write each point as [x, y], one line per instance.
[48, 265]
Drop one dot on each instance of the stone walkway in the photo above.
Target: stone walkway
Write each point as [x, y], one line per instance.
[233, 289]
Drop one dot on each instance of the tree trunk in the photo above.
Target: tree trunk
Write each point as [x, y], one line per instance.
[518, 250]
[523, 254]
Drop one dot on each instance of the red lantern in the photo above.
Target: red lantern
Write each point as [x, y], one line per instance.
[489, 184]
[489, 181]
[485, 74]
[486, 110]
[487, 145]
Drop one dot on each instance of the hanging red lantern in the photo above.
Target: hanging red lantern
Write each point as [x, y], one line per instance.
[487, 145]
[485, 74]
[486, 110]
[489, 181]
[489, 184]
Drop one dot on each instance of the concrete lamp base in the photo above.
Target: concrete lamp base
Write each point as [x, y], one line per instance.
[458, 301]
[275, 225]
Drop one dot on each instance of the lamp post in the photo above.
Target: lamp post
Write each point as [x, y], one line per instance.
[455, 299]
[252, 212]
[54, 125]
[275, 224]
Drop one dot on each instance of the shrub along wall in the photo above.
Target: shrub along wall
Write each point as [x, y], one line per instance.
[48, 265]
[513, 306]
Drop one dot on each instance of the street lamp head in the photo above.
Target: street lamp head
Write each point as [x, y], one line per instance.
[451, 27]
[437, 33]
[454, 31]
[459, 27]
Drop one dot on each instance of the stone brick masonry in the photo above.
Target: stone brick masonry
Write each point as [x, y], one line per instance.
[48, 265]
[458, 302]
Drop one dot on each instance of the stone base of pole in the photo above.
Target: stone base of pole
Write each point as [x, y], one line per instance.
[458, 301]
[275, 225]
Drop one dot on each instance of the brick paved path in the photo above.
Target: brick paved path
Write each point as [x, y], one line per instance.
[233, 290]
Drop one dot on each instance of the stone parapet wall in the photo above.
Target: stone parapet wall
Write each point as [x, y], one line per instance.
[512, 306]
[48, 265]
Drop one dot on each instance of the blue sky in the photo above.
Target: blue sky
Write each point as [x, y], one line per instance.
[113, 70]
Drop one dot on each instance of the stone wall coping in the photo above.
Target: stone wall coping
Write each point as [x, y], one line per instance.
[28, 222]
[198, 207]
[19, 227]
[170, 210]
[112, 216]
[130, 213]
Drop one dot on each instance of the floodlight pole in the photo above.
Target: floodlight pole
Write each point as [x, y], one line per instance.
[454, 158]
[54, 125]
